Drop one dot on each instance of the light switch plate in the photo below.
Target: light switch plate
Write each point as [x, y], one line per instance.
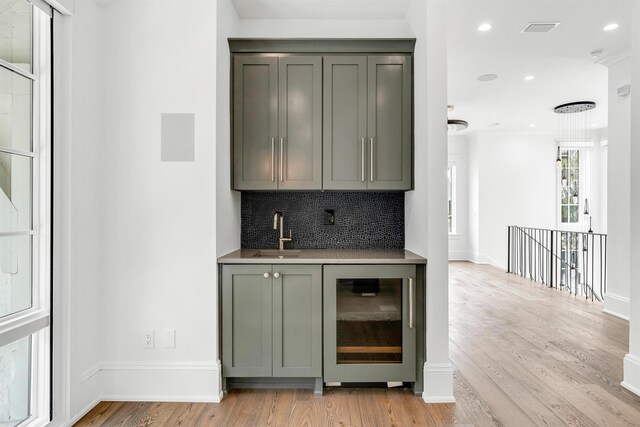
[169, 338]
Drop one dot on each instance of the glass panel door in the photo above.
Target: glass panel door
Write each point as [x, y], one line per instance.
[369, 321]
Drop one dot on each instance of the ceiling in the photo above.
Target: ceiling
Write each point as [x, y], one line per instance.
[560, 60]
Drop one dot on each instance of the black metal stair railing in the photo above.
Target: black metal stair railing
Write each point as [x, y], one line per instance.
[569, 260]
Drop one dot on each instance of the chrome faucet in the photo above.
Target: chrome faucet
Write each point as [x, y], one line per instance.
[282, 239]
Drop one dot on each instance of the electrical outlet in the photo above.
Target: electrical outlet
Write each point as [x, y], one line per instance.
[329, 217]
[169, 338]
[147, 339]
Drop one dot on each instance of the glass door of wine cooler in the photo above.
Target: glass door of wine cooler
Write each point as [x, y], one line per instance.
[369, 323]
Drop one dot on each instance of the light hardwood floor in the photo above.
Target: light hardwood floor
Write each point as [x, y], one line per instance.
[524, 355]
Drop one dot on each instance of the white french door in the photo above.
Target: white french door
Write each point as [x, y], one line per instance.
[25, 212]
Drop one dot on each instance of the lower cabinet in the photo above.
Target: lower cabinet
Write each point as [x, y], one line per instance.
[272, 320]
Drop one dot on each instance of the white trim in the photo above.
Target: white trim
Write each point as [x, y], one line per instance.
[631, 388]
[84, 411]
[28, 324]
[145, 366]
[57, 5]
[161, 398]
[478, 258]
[631, 374]
[438, 383]
[613, 59]
[438, 399]
[616, 305]
[62, 296]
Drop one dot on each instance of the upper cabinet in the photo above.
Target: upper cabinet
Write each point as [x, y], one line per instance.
[367, 123]
[312, 121]
[277, 123]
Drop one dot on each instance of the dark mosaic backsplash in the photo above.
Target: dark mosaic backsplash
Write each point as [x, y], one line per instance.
[362, 220]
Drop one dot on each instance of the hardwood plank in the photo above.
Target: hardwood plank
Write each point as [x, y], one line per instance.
[98, 415]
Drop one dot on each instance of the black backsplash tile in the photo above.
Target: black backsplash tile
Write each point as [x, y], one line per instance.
[362, 220]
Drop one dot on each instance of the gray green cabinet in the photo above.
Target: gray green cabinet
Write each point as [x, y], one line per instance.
[371, 314]
[367, 122]
[272, 320]
[277, 122]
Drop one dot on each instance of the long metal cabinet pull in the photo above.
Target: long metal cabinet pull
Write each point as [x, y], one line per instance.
[371, 153]
[411, 302]
[362, 156]
[281, 159]
[273, 159]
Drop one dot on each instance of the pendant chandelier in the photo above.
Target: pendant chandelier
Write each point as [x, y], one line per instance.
[574, 131]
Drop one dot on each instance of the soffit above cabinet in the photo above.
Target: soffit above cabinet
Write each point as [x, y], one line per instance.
[322, 9]
[363, 46]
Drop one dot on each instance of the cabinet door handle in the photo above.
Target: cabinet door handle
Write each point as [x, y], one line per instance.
[266, 275]
[371, 153]
[281, 159]
[273, 159]
[411, 290]
[362, 157]
[276, 274]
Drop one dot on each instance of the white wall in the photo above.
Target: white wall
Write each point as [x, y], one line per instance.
[512, 181]
[85, 211]
[158, 234]
[426, 206]
[143, 253]
[618, 190]
[227, 201]
[459, 154]
[632, 360]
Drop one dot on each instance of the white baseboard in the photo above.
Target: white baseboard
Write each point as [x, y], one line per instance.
[160, 398]
[77, 417]
[459, 256]
[155, 382]
[478, 258]
[632, 374]
[616, 305]
[438, 383]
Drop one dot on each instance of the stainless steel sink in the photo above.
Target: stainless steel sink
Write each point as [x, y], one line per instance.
[274, 253]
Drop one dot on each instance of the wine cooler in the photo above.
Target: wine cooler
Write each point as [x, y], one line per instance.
[369, 323]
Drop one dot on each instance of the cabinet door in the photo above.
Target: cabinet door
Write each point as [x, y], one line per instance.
[297, 321]
[246, 321]
[255, 122]
[389, 123]
[344, 122]
[370, 323]
[300, 123]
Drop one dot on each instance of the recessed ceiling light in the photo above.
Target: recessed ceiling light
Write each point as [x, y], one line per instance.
[487, 77]
[529, 78]
[595, 125]
[610, 27]
[485, 27]
[532, 125]
[494, 125]
[450, 107]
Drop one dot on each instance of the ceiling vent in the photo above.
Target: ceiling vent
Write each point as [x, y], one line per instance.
[540, 27]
